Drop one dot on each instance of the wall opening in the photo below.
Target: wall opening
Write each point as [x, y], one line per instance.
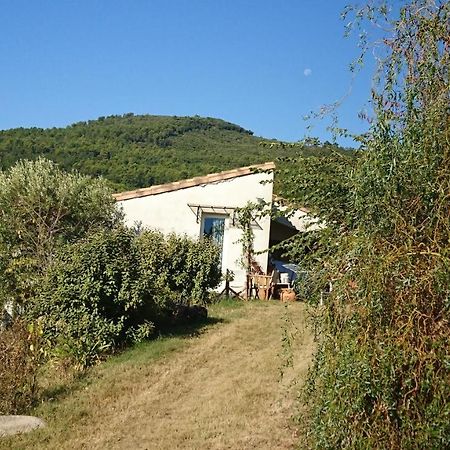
[213, 227]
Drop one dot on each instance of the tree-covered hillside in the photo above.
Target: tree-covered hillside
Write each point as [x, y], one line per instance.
[136, 151]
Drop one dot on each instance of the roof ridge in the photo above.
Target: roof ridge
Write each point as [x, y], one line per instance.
[191, 182]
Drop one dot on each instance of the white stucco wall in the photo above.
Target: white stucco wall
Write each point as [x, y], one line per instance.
[304, 222]
[169, 212]
[299, 219]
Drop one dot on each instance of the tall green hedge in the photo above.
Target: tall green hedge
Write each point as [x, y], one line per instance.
[114, 287]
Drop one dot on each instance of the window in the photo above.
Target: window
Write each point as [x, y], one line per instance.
[214, 228]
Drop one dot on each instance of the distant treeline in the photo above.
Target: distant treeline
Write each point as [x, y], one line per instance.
[133, 151]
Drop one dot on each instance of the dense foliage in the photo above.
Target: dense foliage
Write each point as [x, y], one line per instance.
[187, 267]
[381, 374]
[92, 296]
[114, 287]
[42, 207]
[138, 151]
[70, 269]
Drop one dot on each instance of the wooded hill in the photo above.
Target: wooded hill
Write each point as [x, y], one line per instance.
[134, 151]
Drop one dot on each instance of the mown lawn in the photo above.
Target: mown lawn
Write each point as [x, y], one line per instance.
[215, 386]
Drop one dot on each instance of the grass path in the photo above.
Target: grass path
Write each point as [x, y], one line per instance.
[219, 389]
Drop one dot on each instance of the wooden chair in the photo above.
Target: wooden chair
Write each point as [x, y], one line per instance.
[263, 284]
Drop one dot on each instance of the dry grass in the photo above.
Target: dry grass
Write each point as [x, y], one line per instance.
[219, 389]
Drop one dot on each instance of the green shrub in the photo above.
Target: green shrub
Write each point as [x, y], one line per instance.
[20, 356]
[193, 267]
[94, 299]
[114, 287]
[185, 267]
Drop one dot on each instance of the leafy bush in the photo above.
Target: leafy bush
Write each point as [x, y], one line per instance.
[20, 356]
[192, 267]
[114, 287]
[93, 298]
[184, 268]
[381, 375]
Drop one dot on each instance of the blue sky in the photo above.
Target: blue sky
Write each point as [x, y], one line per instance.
[261, 64]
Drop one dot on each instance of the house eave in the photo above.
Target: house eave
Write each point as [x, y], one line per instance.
[196, 181]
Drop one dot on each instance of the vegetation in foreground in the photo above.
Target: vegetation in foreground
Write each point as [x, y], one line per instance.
[381, 374]
[78, 283]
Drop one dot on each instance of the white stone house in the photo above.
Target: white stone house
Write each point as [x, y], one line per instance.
[207, 206]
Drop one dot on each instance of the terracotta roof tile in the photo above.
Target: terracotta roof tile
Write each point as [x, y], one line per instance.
[197, 181]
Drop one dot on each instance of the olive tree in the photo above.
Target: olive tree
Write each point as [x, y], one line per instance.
[42, 207]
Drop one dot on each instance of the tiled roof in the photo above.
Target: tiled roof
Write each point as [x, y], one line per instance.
[197, 181]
